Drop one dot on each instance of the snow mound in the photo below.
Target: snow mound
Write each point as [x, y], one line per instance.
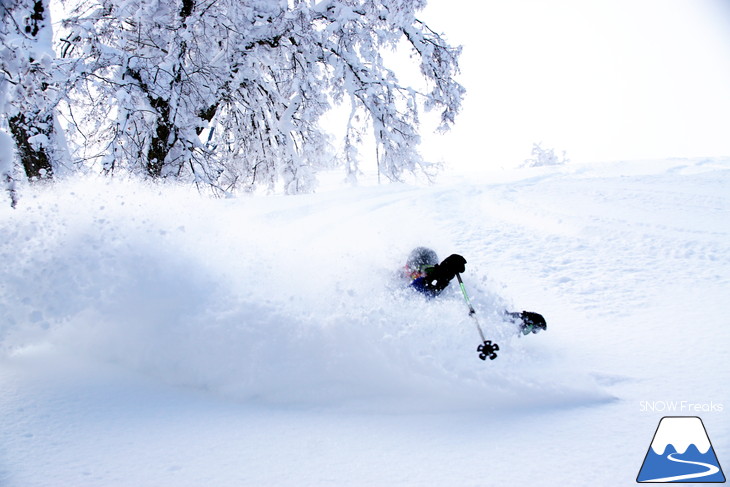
[280, 300]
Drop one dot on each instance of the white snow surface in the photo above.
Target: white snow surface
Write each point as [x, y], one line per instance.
[153, 337]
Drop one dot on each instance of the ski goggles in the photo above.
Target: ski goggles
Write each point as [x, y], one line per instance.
[416, 273]
[528, 328]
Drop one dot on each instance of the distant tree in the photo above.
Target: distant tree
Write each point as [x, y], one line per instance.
[544, 157]
[6, 149]
[230, 92]
[28, 75]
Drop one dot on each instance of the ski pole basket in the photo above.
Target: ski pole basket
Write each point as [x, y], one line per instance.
[487, 348]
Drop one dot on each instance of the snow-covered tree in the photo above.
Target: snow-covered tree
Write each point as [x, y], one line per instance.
[544, 157]
[6, 144]
[30, 80]
[230, 92]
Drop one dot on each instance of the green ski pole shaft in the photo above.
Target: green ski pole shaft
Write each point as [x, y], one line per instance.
[487, 349]
[472, 313]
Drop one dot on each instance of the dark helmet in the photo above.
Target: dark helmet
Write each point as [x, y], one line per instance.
[421, 257]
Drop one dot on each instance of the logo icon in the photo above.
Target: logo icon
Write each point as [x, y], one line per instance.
[681, 452]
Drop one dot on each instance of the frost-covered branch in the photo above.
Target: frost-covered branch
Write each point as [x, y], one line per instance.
[230, 93]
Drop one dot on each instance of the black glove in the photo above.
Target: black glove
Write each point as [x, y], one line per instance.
[439, 276]
[533, 321]
[453, 264]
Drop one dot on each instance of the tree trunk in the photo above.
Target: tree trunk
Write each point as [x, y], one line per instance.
[161, 142]
[34, 157]
[32, 128]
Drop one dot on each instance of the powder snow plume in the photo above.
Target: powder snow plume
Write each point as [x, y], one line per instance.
[273, 299]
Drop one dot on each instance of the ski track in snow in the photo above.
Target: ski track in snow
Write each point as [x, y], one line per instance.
[126, 309]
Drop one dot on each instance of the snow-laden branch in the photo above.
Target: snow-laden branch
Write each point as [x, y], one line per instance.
[230, 93]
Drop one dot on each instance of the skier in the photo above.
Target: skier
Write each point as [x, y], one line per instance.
[429, 277]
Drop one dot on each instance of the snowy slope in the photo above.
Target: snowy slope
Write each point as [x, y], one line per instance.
[151, 337]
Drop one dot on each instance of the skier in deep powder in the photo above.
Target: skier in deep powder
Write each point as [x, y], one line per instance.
[430, 278]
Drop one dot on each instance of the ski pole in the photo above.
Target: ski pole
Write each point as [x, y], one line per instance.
[487, 348]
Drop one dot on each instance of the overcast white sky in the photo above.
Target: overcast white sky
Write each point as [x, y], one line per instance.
[600, 79]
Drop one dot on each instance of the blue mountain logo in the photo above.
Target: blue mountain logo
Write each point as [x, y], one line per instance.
[681, 452]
